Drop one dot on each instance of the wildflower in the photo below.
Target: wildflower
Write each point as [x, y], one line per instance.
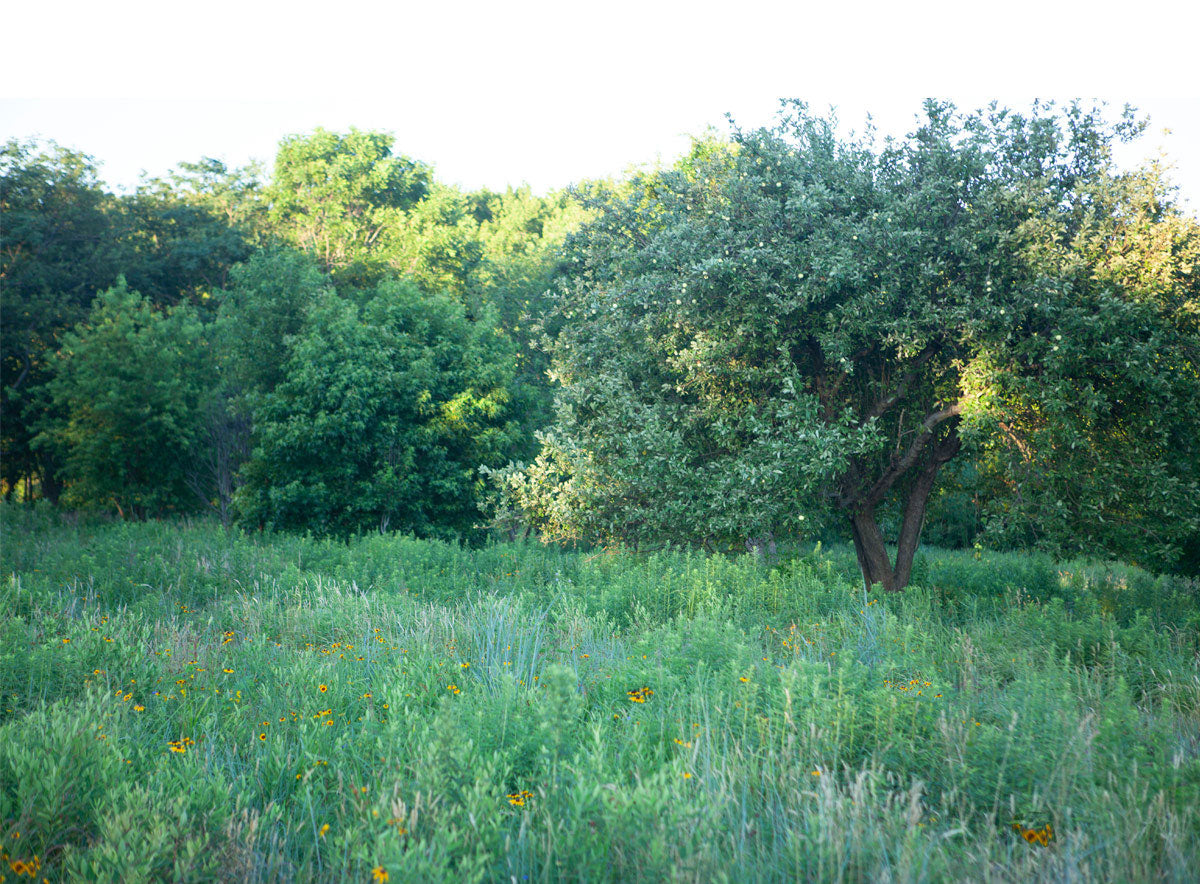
[322, 688]
[1042, 836]
[262, 736]
[324, 829]
[453, 688]
[743, 679]
[139, 708]
[379, 873]
[686, 775]
[640, 695]
[518, 799]
[227, 671]
[815, 773]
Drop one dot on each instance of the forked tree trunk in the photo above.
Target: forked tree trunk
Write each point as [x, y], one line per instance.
[873, 559]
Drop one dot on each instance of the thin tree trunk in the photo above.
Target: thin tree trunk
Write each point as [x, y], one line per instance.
[914, 510]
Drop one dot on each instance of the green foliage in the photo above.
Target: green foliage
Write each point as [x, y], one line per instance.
[250, 259]
[1090, 422]
[262, 308]
[57, 249]
[793, 323]
[342, 197]
[179, 235]
[796, 729]
[126, 397]
[384, 417]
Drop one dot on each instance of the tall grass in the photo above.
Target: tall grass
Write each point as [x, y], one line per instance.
[184, 704]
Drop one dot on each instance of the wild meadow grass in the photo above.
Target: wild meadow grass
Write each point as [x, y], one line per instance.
[179, 703]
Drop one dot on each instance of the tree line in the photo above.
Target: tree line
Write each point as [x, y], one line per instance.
[984, 331]
[334, 347]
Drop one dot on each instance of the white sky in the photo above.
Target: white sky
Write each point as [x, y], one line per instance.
[551, 92]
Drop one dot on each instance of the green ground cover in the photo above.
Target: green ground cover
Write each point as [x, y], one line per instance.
[184, 704]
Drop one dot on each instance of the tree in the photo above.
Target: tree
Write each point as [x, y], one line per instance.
[385, 415]
[791, 324]
[258, 316]
[128, 395]
[263, 307]
[341, 197]
[1111, 460]
[179, 235]
[56, 252]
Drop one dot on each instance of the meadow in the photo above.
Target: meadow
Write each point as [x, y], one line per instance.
[178, 702]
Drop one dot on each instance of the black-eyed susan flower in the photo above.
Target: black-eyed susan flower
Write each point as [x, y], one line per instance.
[379, 873]
[322, 688]
[640, 695]
[1041, 837]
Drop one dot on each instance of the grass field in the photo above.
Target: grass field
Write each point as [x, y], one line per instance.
[182, 704]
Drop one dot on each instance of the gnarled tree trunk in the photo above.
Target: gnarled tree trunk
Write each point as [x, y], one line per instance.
[873, 558]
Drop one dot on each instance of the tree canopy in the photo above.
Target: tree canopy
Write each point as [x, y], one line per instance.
[384, 417]
[791, 324]
[127, 397]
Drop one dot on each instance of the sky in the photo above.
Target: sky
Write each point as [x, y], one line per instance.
[498, 94]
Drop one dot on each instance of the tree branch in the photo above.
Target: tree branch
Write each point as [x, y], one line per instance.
[880, 407]
[899, 467]
[16, 385]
